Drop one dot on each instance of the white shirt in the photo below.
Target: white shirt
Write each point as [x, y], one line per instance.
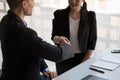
[74, 25]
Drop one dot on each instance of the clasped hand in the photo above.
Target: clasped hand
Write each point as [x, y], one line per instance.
[61, 40]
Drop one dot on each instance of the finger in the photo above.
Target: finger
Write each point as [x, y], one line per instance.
[55, 75]
[46, 74]
[62, 37]
[63, 42]
[52, 75]
[66, 39]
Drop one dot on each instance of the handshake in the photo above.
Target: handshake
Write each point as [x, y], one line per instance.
[61, 40]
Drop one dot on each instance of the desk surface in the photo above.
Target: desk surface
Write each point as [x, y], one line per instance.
[82, 70]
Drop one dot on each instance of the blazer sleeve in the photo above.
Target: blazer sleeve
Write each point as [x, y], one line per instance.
[35, 46]
[93, 30]
[43, 65]
[55, 24]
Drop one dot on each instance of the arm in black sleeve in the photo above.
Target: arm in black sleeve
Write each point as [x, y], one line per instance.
[55, 24]
[93, 31]
[43, 65]
[35, 46]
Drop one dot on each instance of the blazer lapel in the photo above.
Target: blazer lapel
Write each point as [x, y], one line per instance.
[83, 20]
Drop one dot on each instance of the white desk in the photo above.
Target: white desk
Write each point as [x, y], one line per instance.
[82, 70]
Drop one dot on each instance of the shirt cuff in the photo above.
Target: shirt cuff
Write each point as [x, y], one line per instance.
[46, 69]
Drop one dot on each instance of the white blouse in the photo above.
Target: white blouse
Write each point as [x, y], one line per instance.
[74, 25]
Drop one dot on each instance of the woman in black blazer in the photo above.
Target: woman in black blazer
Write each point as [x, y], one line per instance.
[77, 24]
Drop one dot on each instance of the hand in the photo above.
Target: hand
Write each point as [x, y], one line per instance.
[50, 74]
[56, 39]
[61, 40]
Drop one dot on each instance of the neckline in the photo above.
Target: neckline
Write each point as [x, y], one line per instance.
[73, 19]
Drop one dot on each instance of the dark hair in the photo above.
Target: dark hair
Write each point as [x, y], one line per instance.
[13, 4]
[85, 5]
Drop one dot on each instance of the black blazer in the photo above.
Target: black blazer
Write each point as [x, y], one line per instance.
[43, 65]
[87, 33]
[22, 49]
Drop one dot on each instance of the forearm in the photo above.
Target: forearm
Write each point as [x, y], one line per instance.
[88, 55]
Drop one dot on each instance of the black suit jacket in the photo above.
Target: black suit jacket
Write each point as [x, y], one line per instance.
[22, 49]
[43, 65]
[87, 32]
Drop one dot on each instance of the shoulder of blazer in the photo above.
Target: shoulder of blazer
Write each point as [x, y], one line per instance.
[62, 12]
[92, 16]
[84, 14]
[91, 13]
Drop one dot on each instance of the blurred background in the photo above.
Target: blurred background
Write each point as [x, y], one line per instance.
[108, 21]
